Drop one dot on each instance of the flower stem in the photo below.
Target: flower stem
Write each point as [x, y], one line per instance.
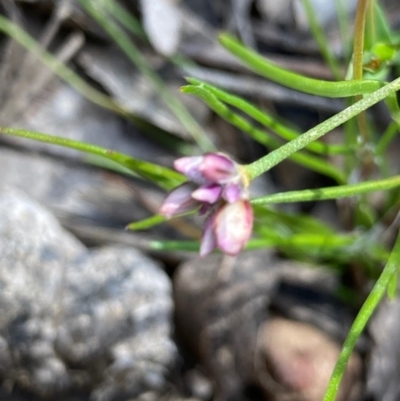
[272, 159]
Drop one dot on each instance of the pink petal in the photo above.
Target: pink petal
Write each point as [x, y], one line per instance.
[217, 167]
[233, 225]
[190, 166]
[232, 192]
[207, 193]
[208, 239]
[179, 201]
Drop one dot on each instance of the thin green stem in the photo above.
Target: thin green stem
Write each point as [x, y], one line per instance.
[295, 81]
[145, 224]
[387, 138]
[122, 15]
[312, 162]
[369, 306]
[269, 121]
[162, 176]
[267, 162]
[337, 192]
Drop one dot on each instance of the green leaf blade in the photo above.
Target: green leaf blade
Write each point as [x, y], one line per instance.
[160, 175]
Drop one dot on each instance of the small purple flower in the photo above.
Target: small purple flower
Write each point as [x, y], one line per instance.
[229, 228]
[232, 192]
[217, 167]
[218, 188]
[210, 168]
[208, 239]
[179, 201]
[207, 193]
[190, 166]
[233, 224]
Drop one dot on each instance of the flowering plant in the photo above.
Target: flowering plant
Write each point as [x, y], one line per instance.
[217, 187]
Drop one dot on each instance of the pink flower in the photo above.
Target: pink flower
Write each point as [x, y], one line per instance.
[210, 168]
[218, 188]
[179, 201]
[229, 228]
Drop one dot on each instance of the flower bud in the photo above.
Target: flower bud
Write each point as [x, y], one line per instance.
[233, 192]
[217, 167]
[179, 201]
[190, 166]
[207, 193]
[208, 239]
[233, 224]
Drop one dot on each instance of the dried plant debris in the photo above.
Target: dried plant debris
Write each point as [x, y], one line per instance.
[257, 321]
[135, 92]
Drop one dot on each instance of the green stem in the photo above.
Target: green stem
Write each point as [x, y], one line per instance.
[162, 176]
[269, 121]
[295, 81]
[272, 159]
[369, 306]
[337, 192]
[386, 138]
[310, 161]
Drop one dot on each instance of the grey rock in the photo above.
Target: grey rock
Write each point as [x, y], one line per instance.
[59, 178]
[73, 318]
[226, 310]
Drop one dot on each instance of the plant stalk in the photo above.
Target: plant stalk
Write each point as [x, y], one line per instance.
[272, 159]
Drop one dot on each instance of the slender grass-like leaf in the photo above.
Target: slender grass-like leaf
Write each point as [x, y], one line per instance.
[290, 222]
[146, 223]
[293, 80]
[194, 246]
[386, 138]
[377, 26]
[312, 162]
[336, 192]
[363, 316]
[272, 159]
[126, 19]
[160, 175]
[269, 121]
